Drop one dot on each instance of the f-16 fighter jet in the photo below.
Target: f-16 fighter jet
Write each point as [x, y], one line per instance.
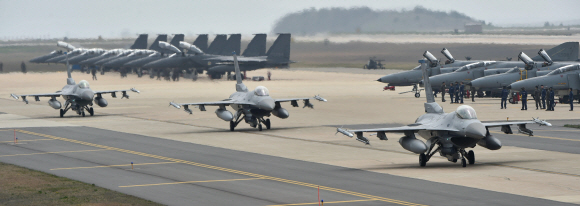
[251, 106]
[78, 97]
[449, 134]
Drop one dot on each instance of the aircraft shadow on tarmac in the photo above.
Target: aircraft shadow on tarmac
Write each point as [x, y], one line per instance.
[226, 130]
[97, 115]
[439, 165]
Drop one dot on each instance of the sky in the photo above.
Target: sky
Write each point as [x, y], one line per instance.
[126, 18]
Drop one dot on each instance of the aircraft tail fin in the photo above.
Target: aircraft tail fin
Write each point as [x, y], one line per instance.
[280, 50]
[240, 87]
[567, 51]
[140, 42]
[233, 44]
[155, 45]
[176, 39]
[217, 44]
[430, 106]
[201, 42]
[256, 47]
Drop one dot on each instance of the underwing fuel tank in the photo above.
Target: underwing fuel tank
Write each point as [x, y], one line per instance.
[413, 144]
[280, 112]
[54, 103]
[490, 142]
[101, 102]
[224, 114]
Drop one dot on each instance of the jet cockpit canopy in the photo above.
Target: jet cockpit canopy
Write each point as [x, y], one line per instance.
[83, 84]
[261, 91]
[466, 112]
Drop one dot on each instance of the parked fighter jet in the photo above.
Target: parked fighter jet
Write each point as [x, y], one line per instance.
[450, 134]
[42, 59]
[565, 52]
[138, 54]
[78, 97]
[251, 106]
[560, 80]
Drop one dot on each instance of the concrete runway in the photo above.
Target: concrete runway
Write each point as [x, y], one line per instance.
[177, 173]
[544, 167]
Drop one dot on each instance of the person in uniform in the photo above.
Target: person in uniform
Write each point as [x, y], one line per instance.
[456, 90]
[461, 92]
[451, 92]
[571, 99]
[443, 87]
[551, 97]
[537, 98]
[524, 99]
[504, 95]
[472, 94]
[543, 97]
[94, 72]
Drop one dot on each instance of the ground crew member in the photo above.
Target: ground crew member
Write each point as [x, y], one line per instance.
[443, 87]
[456, 90]
[571, 99]
[504, 95]
[461, 91]
[537, 98]
[94, 72]
[472, 94]
[550, 99]
[451, 91]
[543, 97]
[524, 99]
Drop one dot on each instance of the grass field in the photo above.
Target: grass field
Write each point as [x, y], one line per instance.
[21, 186]
[577, 126]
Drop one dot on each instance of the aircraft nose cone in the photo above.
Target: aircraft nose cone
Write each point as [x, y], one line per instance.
[266, 104]
[87, 95]
[475, 130]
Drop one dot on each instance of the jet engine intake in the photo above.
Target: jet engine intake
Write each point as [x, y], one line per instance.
[101, 102]
[280, 112]
[54, 103]
[224, 114]
[490, 142]
[412, 144]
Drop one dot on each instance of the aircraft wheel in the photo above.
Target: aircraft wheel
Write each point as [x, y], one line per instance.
[259, 127]
[422, 160]
[91, 111]
[463, 162]
[267, 123]
[232, 125]
[471, 157]
[417, 95]
[61, 112]
[83, 113]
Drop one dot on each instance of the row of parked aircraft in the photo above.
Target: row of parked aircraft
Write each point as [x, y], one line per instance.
[557, 68]
[194, 58]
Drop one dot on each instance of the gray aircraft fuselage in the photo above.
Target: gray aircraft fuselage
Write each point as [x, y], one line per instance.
[84, 56]
[71, 54]
[473, 71]
[42, 59]
[135, 55]
[560, 79]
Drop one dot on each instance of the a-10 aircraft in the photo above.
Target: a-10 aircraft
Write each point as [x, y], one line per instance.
[450, 134]
[251, 106]
[78, 97]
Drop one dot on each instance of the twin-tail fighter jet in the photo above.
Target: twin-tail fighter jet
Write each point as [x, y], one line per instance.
[450, 134]
[252, 106]
[78, 97]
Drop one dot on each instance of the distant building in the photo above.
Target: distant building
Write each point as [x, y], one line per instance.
[473, 28]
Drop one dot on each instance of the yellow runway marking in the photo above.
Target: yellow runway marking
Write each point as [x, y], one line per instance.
[30, 140]
[74, 168]
[316, 203]
[384, 199]
[53, 152]
[558, 138]
[175, 183]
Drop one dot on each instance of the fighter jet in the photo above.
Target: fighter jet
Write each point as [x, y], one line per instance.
[565, 52]
[560, 80]
[78, 97]
[532, 69]
[449, 134]
[138, 54]
[42, 59]
[252, 106]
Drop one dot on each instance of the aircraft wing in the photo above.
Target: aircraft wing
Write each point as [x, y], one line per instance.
[36, 96]
[499, 124]
[380, 132]
[505, 126]
[114, 92]
[201, 105]
[240, 59]
[294, 101]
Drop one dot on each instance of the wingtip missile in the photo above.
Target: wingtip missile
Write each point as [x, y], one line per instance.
[174, 105]
[14, 96]
[541, 122]
[135, 90]
[319, 98]
[344, 132]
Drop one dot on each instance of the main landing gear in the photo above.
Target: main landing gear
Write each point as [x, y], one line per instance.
[466, 157]
[240, 116]
[79, 109]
